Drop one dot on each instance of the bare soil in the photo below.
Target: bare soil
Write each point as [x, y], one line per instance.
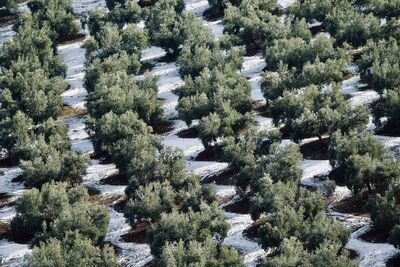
[191, 132]
[223, 178]
[117, 179]
[375, 235]
[138, 234]
[162, 127]
[67, 112]
[352, 205]
[315, 150]
[209, 154]
[241, 207]
[394, 261]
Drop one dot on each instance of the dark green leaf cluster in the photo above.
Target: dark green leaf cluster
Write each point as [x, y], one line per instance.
[255, 24]
[73, 250]
[57, 14]
[56, 210]
[31, 85]
[160, 192]
[315, 111]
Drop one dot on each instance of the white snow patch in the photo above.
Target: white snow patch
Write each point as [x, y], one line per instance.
[313, 168]
[285, 3]
[151, 53]
[107, 190]
[390, 142]
[82, 7]
[264, 124]
[225, 191]
[216, 27]
[6, 33]
[96, 172]
[131, 254]
[7, 186]
[253, 66]
[74, 57]
[206, 168]
[351, 87]
[170, 101]
[256, 93]
[196, 6]
[235, 238]
[191, 147]
[12, 254]
[82, 146]
[370, 254]
[76, 128]
[168, 77]
[7, 213]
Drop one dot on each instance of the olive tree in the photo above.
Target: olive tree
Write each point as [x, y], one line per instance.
[54, 211]
[73, 250]
[316, 111]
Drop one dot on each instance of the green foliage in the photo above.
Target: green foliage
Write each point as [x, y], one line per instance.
[383, 8]
[193, 58]
[15, 131]
[220, 99]
[54, 211]
[384, 212]
[140, 147]
[18, 136]
[312, 231]
[254, 24]
[199, 254]
[359, 159]
[342, 146]
[379, 65]
[169, 29]
[295, 52]
[32, 40]
[31, 92]
[316, 111]
[291, 254]
[315, 9]
[121, 12]
[120, 61]
[318, 73]
[111, 40]
[281, 164]
[47, 163]
[394, 238]
[58, 14]
[119, 92]
[351, 26]
[158, 183]
[9, 5]
[185, 227]
[111, 127]
[270, 197]
[73, 250]
[248, 149]
[388, 107]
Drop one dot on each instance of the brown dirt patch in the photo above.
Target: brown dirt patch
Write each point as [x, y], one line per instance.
[394, 261]
[67, 112]
[191, 132]
[223, 178]
[315, 150]
[117, 179]
[375, 235]
[138, 234]
[352, 205]
[242, 206]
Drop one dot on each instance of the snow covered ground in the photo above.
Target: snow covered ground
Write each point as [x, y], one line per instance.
[132, 254]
